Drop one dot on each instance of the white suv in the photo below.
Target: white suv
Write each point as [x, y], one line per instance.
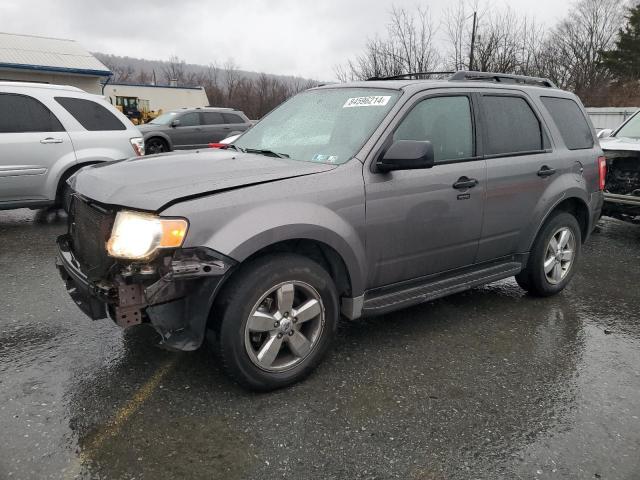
[48, 132]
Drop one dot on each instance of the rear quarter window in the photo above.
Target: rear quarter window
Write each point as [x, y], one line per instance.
[232, 118]
[21, 114]
[573, 126]
[91, 115]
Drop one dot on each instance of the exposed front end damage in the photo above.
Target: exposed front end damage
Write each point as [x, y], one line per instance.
[622, 185]
[173, 291]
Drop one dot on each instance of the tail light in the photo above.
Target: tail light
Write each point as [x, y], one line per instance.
[138, 145]
[218, 145]
[602, 171]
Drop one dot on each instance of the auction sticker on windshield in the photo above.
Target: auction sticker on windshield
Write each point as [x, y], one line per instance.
[370, 101]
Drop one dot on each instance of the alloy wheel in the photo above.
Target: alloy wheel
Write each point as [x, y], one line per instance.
[284, 326]
[559, 255]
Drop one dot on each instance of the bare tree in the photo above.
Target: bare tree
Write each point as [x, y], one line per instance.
[407, 47]
[174, 70]
[457, 22]
[231, 77]
[572, 53]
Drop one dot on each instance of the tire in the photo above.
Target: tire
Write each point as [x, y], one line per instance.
[252, 315]
[63, 196]
[155, 145]
[536, 278]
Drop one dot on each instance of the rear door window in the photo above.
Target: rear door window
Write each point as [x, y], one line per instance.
[571, 122]
[21, 113]
[232, 118]
[212, 118]
[91, 115]
[443, 121]
[511, 126]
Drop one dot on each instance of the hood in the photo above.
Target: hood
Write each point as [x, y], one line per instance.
[152, 183]
[620, 143]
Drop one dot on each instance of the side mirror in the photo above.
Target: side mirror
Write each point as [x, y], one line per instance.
[175, 123]
[605, 132]
[407, 155]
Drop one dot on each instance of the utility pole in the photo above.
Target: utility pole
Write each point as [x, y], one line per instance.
[473, 39]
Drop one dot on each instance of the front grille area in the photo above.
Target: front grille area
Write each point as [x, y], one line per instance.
[89, 229]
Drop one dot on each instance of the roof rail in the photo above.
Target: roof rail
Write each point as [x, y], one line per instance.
[410, 76]
[502, 78]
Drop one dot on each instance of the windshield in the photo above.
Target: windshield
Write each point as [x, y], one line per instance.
[164, 119]
[631, 129]
[325, 126]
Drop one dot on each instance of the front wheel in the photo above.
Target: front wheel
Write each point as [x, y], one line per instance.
[553, 257]
[278, 316]
[155, 145]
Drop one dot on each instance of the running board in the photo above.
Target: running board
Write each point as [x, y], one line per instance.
[384, 302]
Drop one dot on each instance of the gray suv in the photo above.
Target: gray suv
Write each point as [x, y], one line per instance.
[354, 200]
[189, 128]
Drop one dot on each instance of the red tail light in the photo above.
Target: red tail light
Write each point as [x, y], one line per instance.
[602, 171]
[223, 146]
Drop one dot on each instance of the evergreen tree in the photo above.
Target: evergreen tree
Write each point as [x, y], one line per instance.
[624, 60]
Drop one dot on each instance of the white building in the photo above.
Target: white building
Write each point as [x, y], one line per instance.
[28, 58]
[158, 97]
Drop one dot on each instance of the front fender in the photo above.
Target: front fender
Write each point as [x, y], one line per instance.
[242, 233]
[266, 225]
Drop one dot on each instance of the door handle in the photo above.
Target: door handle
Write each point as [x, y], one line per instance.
[546, 171]
[227, 128]
[465, 182]
[51, 140]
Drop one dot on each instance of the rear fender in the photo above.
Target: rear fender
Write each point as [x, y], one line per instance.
[548, 203]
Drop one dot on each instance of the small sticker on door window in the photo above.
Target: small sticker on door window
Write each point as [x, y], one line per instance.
[370, 101]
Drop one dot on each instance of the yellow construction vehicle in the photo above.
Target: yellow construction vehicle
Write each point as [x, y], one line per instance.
[136, 109]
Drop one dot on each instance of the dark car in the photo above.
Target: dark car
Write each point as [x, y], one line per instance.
[356, 199]
[192, 128]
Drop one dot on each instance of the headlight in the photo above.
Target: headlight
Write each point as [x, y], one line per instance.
[137, 235]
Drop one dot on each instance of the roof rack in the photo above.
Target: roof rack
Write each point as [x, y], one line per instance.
[474, 76]
[502, 78]
[410, 76]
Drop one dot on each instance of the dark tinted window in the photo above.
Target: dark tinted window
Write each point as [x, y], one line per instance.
[212, 118]
[511, 126]
[91, 115]
[232, 118]
[190, 120]
[445, 122]
[20, 113]
[570, 120]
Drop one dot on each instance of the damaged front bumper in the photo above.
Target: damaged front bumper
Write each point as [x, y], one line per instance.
[622, 185]
[174, 293]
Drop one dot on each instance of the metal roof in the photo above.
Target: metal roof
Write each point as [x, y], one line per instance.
[29, 52]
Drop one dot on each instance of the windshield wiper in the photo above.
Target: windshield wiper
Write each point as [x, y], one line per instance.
[269, 153]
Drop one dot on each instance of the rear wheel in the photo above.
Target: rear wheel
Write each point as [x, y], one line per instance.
[155, 145]
[277, 317]
[553, 258]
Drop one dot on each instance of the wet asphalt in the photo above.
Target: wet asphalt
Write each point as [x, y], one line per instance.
[487, 384]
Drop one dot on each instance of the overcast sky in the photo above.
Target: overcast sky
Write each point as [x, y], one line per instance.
[292, 37]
